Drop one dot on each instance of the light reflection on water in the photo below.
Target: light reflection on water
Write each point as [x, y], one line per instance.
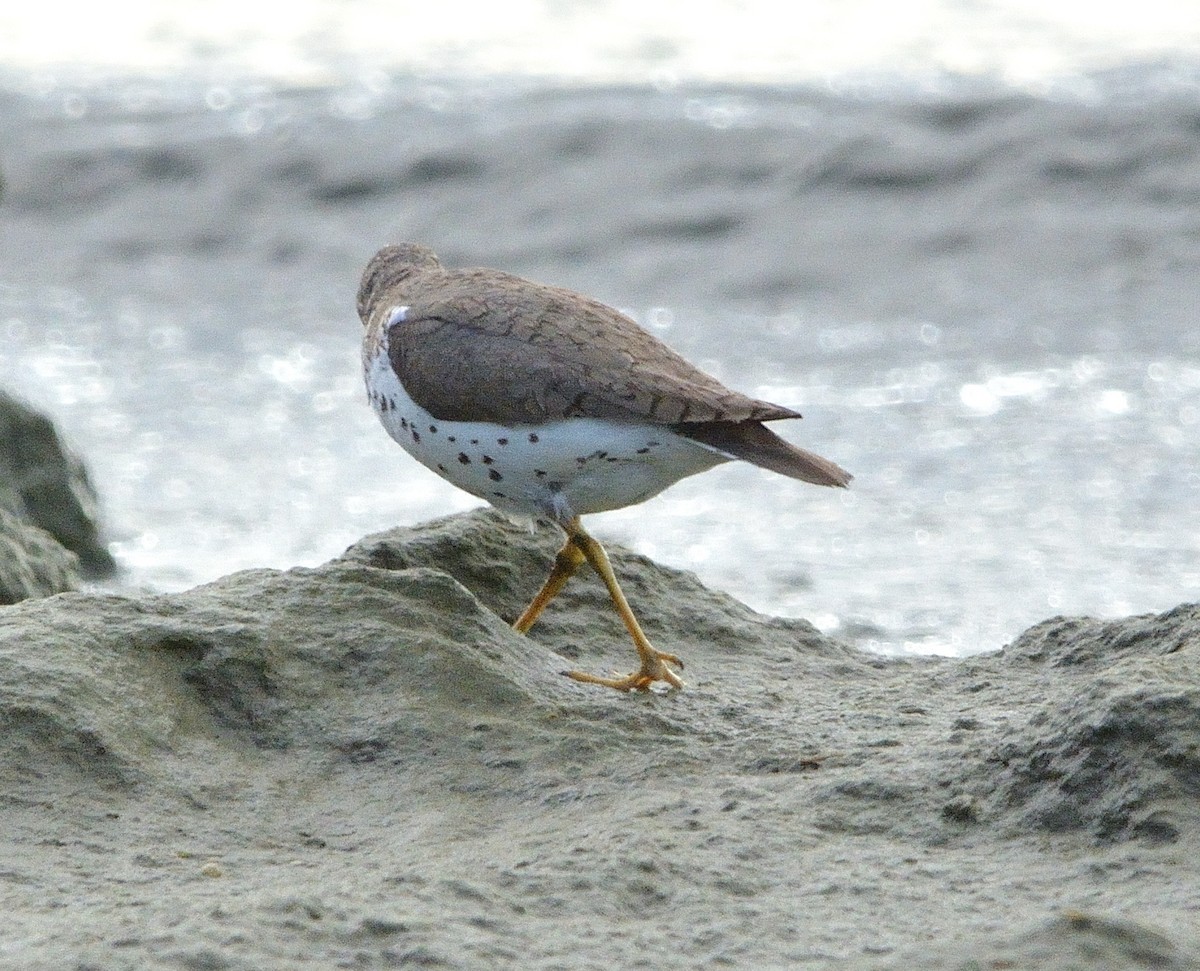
[985, 498]
[599, 41]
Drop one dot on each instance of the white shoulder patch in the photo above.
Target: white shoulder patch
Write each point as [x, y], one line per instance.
[396, 315]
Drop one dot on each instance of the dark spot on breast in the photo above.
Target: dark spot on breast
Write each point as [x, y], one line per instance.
[642, 451]
[540, 473]
[464, 458]
[533, 437]
[501, 441]
[601, 455]
[441, 468]
[488, 460]
[499, 495]
[433, 429]
[494, 475]
[403, 422]
[451, 438]
[416, 435]
[474, 441]
[580, 460]
[392, 403]
[613, 458]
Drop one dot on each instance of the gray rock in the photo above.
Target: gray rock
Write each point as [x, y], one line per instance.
[44, 484]
[32, 562]
[363, 765]
[1072, 941]
[1117, 757]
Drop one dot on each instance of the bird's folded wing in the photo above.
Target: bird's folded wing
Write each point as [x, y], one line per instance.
[480, 348]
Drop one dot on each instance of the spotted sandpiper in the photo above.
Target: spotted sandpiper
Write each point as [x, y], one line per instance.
[551, 405]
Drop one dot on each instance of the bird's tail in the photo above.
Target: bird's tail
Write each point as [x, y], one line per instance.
[753, 442]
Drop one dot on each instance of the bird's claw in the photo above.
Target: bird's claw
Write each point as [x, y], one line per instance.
[655, 667]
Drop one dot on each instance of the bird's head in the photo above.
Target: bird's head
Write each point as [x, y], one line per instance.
[389, 268]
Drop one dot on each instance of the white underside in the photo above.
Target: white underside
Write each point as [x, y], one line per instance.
[558, 470]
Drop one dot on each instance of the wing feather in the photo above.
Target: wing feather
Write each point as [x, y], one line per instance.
[487, 346]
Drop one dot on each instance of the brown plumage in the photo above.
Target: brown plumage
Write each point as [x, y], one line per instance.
[484, 345]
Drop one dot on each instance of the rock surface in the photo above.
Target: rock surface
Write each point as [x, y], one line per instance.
[32, 562]
[43, 484]
[361, 765]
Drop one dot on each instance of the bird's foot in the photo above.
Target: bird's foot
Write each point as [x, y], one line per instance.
[655, 667]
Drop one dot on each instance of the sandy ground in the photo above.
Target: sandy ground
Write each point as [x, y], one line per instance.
[361, 765]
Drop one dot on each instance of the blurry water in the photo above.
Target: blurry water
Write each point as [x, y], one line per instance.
[982, 299]
[1018, 42]
[987, 496]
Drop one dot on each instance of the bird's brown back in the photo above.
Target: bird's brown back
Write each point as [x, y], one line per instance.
[484, 345]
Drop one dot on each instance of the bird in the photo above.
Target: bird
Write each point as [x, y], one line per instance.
[551, 405]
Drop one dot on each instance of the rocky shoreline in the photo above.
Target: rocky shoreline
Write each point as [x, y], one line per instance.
[362, 765]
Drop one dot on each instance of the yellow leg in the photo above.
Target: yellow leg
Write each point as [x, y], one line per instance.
[565, 564]
[581, 546]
